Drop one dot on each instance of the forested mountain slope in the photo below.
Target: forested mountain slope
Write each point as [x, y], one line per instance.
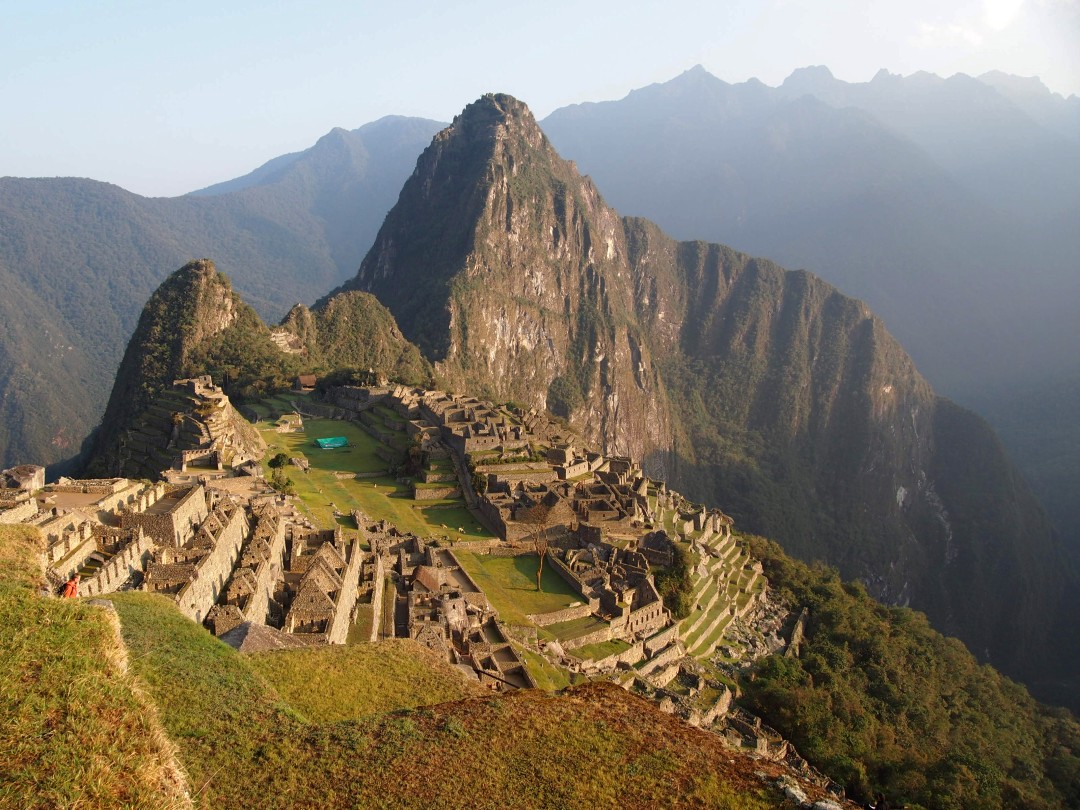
[78, 259]
[760, 389]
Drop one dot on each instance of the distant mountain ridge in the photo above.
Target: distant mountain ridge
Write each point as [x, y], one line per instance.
[764, 390]
[78, 259]
[919, 195]
[947, 204]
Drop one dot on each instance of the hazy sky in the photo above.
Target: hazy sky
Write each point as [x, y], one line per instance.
[164, 98]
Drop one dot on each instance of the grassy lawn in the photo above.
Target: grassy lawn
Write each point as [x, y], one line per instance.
[576, 628]
[246, 734]
[510, 585]
[320, 491]
[359, 456]
[548, 677]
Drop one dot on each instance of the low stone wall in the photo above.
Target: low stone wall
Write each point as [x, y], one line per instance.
[75, 558]
[668, 655]
[630, 656]
[436, 493]
[478, 546]
[92, 486]
[661, 676]
[566, 574]
[389, 454]
[657, 642]
[118, 568]
[511, 550]
[596, 637]
[319, 410]
[19, 512]
[566, 614]
[511, 477]
[439, 476]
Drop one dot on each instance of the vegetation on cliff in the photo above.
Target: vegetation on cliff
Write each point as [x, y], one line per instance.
[880, 701]
[78, 258]
[762, 390]
[195, 324]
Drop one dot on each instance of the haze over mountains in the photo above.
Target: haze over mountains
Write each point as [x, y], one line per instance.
[739, 382]
[853, 182]
[79, 258]
[948, 205]
[941, 202]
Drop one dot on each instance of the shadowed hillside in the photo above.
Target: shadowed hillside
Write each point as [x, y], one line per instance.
[739, 382]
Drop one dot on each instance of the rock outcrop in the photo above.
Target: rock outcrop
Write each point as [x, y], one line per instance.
[746, 385]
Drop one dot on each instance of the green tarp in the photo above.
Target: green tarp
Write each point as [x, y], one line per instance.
[332, 442]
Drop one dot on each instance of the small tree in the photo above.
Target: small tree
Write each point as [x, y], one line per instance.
[282, 483]
[278, 461]
[538, 517]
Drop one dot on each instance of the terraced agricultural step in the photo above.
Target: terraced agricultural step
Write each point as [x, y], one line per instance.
[704, 628]
[706, 644]
[704, 611]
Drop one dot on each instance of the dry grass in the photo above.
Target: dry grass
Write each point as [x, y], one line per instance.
[330, 684]
[245, 745]
[22, 557]
[75, 729]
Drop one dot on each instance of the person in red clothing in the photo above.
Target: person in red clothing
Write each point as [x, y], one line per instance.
[71, 589]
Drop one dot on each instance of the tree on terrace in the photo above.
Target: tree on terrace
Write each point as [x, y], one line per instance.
[538, 516]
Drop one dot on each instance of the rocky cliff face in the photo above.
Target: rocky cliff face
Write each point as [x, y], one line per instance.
[195, 324]
[193, 305]
[762, 390]
[506, 268]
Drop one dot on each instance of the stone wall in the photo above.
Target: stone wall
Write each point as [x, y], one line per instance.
[630, 656]
[173, 527]
[669, 654]
[377, 596]
[512, 477]
[119, 568]
[197, 597]
[338, 629]
[797, 634]
[567, 575]
[258, 606]
[511, 550]
[657, 641]
[596, 637]
[18, 511]
[647, 618]
[566, 614]
[436, 493]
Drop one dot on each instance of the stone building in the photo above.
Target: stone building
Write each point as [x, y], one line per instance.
[194, 570]
[321, 582]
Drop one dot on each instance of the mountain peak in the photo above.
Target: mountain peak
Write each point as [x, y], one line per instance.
[492, 119]
[809, 79]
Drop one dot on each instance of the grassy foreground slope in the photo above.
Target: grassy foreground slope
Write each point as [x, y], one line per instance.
[334, 683]
[75, 729]
[244, 746]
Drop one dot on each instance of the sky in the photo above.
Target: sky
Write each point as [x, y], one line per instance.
[166, 98]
